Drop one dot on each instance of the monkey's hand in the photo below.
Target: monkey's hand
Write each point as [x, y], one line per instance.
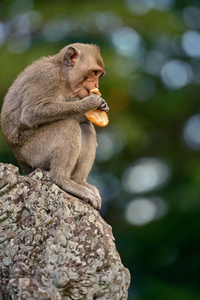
[103, 106]
[93, 101]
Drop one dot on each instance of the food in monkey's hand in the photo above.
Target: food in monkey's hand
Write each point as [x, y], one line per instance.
[97, 117]
[95, 91]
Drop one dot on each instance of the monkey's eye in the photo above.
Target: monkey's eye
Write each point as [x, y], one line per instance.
[96, 72]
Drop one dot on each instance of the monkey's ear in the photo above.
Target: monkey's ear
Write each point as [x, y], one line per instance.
[70, 56]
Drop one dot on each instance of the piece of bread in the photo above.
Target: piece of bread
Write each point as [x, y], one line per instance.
[95, 91]
[97, 116]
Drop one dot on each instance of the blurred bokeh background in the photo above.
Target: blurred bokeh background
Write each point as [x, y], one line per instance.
[148, 161]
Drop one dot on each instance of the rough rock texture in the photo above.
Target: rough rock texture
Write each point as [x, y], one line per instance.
[52, 245]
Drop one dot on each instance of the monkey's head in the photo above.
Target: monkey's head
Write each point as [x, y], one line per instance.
[81, 68]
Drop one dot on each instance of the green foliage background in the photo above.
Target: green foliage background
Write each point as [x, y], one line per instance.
[149, 109]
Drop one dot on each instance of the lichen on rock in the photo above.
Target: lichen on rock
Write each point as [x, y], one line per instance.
[53, 245]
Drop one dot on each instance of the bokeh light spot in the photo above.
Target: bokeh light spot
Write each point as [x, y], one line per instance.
[191, 132]
[176, 74]
[191, 43]
[21, 6]
[141, 7]
[2, 34]
[126, 41]
[106, 20]
[56, 30]
[109, 143]
[163, 5]
[146, 175]
[195, 64]
[191, 16]
[19, 45]
[141, 211]
[153, 62]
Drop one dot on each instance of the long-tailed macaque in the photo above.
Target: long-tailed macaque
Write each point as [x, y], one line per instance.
[43, 118]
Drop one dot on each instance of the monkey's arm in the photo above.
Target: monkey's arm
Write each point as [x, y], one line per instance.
[45, 112]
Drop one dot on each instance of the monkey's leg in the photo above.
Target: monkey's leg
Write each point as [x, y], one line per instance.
[66, 159]
[86, 160]
[56, 148]
[60, 174]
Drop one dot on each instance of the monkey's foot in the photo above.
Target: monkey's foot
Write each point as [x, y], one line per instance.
[94, 198]
[92, 188]
[81, 190]
[95, 201]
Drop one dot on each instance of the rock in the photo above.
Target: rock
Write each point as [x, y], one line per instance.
[53, 245]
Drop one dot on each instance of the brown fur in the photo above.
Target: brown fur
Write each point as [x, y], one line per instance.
[43, 118]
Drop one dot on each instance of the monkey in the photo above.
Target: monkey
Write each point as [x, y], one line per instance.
[43, 121]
